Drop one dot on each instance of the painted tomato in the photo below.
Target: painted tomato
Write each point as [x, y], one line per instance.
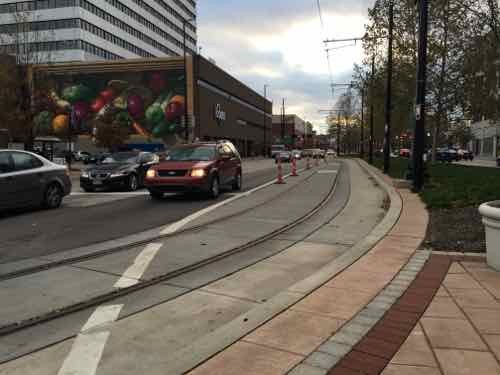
[107, 95]
[97, 104]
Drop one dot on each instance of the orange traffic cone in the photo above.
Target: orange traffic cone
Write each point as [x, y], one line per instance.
[280, 179]
[294, 168]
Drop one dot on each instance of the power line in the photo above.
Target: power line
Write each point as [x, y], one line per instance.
[320, 13]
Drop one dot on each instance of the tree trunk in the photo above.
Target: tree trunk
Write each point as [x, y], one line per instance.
[439, 114]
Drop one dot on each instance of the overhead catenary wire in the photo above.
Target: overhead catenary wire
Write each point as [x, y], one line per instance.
[327, 51]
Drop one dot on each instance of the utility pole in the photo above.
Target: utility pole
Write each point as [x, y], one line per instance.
[283, 121]
[419, 132]
[362, 149]
[265, 119]
[186, 120]
[338, 133]
[388, 104]
[372, 109]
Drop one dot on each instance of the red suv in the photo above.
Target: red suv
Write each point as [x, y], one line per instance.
[197, 167]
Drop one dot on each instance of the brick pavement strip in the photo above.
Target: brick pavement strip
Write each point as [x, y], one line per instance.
[375, 350]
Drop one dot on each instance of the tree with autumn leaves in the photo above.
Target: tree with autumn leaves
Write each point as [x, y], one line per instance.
[462, 72]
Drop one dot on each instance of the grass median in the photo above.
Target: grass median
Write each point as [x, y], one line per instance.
[452, 194]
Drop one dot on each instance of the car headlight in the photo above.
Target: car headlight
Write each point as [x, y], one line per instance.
[85, 174]
[198, 173]
[151, 173]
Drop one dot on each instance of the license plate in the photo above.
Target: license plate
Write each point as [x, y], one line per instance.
[97, 183]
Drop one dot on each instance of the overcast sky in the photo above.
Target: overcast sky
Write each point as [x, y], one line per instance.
[279, 42]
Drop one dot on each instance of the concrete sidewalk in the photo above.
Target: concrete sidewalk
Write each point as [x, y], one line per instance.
[479, 163]
[397, 310]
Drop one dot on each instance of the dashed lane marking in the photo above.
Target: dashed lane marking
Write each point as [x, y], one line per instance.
[133, 274]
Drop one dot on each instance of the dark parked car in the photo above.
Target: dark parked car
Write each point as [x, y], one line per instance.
[96, 158]
[198, 167]
[125, 170]
[28, 179]
[446, 155]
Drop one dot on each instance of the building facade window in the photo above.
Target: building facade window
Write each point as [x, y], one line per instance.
[28, 6]
[60, 45]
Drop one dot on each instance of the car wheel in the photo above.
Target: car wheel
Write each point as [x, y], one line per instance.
[89, 190]
[53, 196]
[237, 183]
[132, 183]
[156, 195]
[214, 188]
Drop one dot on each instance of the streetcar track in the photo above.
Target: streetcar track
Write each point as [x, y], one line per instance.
[98, 300]
[101, 253]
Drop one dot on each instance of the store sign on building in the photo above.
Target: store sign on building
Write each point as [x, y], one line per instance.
[220, 115]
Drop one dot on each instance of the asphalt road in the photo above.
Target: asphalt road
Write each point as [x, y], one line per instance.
[87, 219]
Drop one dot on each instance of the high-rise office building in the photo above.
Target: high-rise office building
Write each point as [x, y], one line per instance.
[83, 30]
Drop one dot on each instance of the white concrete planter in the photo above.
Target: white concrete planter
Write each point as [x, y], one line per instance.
[491, 220]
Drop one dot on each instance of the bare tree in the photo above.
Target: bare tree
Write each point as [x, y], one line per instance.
[27, 45]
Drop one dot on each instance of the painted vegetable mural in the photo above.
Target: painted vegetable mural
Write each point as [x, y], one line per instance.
[149, 104]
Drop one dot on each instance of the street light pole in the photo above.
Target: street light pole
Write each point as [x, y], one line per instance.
[338, 133]
[388, 104]
[419, 132]
[283, 121]
[186, 120]
[362, 149]
[265, 119]
[372, 109]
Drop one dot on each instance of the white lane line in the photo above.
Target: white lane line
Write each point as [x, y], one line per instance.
[102, 315]
[85, 354]
[88, 347]
[328, 171]
[174, 227]
[133, 274]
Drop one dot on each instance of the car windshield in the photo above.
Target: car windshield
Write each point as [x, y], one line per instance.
[121, 157]
[201, 153]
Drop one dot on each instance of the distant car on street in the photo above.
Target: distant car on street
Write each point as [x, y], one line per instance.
[330, 152]
[307, 153]
[28, 179]
[446, 155]
[125, 170]
[81, 155]
[297, 154]
[318, 153]
[96, 158]
[405, 152]
[276, 149]
[198, 167]
[465, 155]
[284, 156]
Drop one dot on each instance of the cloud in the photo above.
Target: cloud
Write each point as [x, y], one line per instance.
[280, 43]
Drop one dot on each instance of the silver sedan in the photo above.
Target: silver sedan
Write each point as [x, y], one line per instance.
[28, 179]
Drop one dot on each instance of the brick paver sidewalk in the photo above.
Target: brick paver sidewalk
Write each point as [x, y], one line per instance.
[387, 313]
[459, 333]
